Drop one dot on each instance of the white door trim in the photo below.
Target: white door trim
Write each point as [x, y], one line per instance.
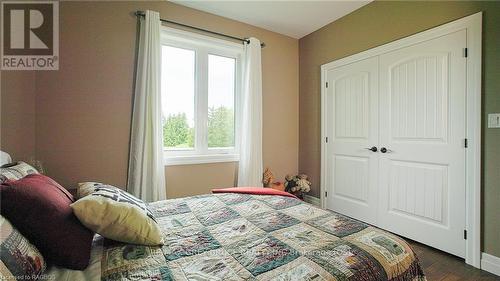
[473, 25]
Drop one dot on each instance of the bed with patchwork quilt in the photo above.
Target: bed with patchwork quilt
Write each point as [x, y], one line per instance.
[252, 237]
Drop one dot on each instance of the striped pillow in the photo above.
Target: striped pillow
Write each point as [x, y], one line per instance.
[87, 188]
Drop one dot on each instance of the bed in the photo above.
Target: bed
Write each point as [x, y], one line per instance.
[252, 237]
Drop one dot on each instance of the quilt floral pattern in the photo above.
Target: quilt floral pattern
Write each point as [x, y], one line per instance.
[259, 237]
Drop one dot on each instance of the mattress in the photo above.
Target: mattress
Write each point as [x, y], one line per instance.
[252, 237]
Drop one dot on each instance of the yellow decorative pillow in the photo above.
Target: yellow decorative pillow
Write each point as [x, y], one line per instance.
[118, 215]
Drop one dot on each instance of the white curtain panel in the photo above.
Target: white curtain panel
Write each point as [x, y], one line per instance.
[250, 165]
[146, 175]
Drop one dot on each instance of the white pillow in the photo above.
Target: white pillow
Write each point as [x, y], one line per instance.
[4, 158]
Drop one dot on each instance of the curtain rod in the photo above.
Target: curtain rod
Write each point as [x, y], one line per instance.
[243, 40]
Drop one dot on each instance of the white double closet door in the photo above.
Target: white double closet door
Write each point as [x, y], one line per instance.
[396, 129]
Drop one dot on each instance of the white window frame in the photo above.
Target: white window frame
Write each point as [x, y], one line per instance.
[204, 46]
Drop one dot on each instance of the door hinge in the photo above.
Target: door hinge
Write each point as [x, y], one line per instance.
[327, 84]
[466, 143]
[465, 234]
[326, 139]
[326, 193]
[466, 52]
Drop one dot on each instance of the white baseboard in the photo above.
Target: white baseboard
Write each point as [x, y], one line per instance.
[490, 263]
[312, 200]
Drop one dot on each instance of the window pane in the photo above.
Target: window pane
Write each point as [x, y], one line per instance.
[221, 77]
[177, 89]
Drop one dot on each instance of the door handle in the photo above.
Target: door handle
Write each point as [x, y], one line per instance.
[385, 150]
[372, 149]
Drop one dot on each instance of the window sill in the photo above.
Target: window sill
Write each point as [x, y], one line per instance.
[200, 159]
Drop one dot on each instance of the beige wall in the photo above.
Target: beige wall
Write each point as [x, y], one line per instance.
[17, 122]
[381, 22]
[207, 176]
[83, 110]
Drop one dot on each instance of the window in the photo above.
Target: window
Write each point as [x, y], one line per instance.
[200, 80]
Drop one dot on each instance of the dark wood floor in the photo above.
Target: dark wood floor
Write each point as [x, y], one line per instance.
[439, 266]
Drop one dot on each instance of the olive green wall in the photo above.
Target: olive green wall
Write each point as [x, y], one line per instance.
[378, 23]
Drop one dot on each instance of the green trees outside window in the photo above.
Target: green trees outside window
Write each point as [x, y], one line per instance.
[178, 134]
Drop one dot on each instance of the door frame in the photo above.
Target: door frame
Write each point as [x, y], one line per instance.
[473, 26]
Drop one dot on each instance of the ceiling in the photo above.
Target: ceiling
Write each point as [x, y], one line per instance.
[293, 18]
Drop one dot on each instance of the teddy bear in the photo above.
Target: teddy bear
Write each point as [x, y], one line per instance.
[268, 181]
[297, 185]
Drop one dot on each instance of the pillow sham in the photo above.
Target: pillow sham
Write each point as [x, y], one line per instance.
[40, 209]
[20, 260]
[118, 215]
[15, 171]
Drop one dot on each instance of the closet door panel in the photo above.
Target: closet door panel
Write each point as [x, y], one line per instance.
[352, 126]
[422, 128]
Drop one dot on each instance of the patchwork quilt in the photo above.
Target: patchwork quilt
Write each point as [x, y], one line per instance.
[259, 237]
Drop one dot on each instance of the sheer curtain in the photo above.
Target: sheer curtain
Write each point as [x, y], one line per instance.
[146, 174]
[250, 165]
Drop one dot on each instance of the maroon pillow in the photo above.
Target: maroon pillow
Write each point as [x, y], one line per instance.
[39, 208]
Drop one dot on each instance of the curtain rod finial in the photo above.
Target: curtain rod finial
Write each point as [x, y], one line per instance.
[247, 40]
